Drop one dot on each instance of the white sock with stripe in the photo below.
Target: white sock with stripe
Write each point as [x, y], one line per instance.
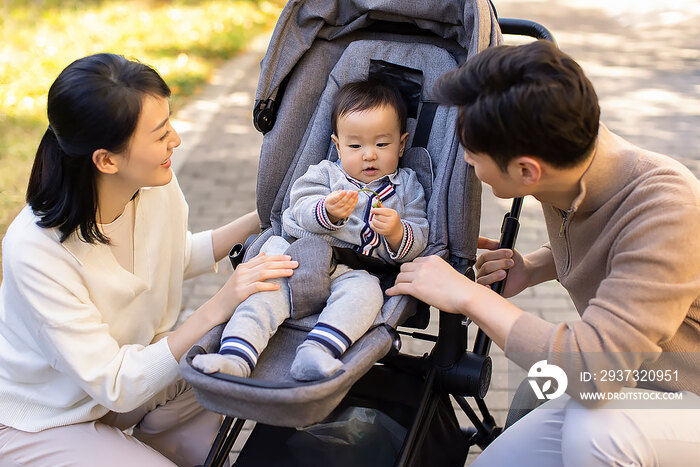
[236, 357]
[313, 361]
[317, 357]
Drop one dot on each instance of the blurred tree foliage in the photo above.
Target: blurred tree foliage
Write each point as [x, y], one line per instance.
[185, 40]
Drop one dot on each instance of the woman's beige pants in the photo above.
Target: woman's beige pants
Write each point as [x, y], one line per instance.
[170, 429]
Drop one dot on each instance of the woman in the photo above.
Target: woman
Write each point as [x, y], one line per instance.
[93, 269]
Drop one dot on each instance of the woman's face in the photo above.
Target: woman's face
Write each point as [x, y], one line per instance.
[146, 162]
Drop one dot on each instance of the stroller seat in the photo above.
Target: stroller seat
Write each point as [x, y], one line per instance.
[368, 45]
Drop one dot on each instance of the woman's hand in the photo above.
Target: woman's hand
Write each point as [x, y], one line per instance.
[435, 282]
[495, 265]
[247, 279]
[340, 204]
[251, 277]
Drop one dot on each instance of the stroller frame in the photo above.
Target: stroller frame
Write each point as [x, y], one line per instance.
[450, 369]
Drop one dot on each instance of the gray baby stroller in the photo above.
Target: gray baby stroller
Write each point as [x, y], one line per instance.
[317, 46]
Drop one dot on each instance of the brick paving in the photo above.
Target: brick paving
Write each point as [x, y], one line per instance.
[641, 58]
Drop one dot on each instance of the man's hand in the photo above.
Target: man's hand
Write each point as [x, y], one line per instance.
[522, 271]
[493, 266]
[435, 282]
[340, 204]
[386, 222]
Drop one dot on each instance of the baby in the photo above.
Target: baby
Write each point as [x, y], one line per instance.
[363, 202]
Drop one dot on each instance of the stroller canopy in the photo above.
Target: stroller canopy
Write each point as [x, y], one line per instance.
[309, 40]
[303, 22]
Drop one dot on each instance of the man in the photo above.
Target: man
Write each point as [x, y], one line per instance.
[622, 224]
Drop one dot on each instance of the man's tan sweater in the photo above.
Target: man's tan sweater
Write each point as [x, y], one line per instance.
[628, 253]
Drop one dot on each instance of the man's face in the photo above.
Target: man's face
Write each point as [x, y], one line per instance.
[486, 169]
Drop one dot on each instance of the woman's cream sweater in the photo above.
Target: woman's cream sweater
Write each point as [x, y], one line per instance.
[76, 328]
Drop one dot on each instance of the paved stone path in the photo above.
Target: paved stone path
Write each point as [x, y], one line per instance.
[641, 57]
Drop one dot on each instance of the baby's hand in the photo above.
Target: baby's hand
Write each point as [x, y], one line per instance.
[340, 204]
[386, 222]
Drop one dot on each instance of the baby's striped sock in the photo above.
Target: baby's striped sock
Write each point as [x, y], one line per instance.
[241, 348]
[331, 338]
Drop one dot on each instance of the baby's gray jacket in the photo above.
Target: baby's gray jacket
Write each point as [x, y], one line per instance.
[400, 191]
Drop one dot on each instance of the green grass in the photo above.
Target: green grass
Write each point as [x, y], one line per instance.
[185, 40]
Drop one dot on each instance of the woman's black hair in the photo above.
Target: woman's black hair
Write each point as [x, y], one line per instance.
[95, 103]
[531, 99]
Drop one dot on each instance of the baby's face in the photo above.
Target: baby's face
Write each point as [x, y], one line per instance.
[370, 142]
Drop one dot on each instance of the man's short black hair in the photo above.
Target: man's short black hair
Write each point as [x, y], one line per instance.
[364, 95]
[531, 99]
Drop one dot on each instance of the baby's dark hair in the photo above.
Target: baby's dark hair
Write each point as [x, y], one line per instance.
[530, 99]
[365, 95]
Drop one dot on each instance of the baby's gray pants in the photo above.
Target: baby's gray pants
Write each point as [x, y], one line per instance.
[355, 301]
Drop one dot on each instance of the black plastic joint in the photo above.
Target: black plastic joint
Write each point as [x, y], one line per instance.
[238, 250]
[236, 255]
[264, 115]
[470, 376]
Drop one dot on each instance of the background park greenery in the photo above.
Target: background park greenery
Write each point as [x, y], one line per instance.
[185, 40]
